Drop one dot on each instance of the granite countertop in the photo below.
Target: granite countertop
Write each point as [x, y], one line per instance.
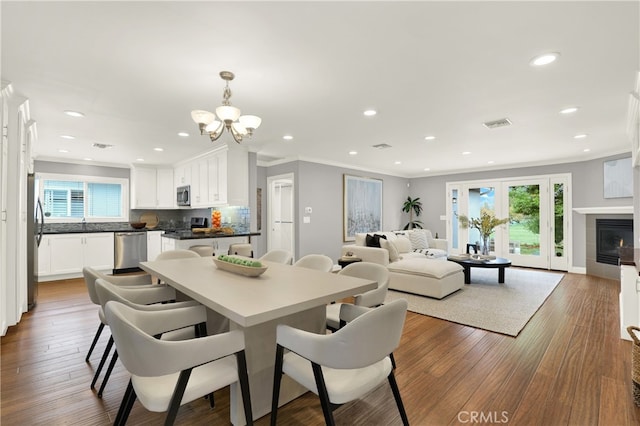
[177, 234]
[188, 235]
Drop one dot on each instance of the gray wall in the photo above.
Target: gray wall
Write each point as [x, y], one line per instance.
[80, 169]
[587, 183]
[319, 186]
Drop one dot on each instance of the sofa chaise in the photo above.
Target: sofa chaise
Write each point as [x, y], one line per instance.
[416, 261]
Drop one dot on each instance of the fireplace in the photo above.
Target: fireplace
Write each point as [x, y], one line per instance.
[611, 234]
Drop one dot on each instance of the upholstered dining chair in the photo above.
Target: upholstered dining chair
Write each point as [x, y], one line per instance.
[278, 256]
[150, 293]
[177, 254]
[319, 262]
[166, 375]
[345, 365]
[91, 275]
[371, 298]
[138, 298]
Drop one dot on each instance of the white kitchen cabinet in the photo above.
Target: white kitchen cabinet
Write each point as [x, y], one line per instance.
[168, 243]
[154, 244]
[64, 255]
[220, 177]
[152, 188]
[629, 299]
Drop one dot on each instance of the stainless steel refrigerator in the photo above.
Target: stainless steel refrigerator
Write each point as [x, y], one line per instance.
[35, 228]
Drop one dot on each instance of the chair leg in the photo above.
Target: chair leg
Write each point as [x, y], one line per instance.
[396, 395]
[95, 340]
[176, 399]
[323, 394]
[105, 355]
[125, 406]
[277, 378]
[114, 358]
[243, 377]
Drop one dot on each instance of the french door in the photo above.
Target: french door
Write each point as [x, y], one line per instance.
[537, 207]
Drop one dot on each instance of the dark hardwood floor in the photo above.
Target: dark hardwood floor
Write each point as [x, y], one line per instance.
[567, 367]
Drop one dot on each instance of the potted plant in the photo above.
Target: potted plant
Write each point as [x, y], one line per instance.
[412, 206]
[485, 224]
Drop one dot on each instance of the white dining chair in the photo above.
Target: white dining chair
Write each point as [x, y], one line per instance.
[371, 298]
[177, 254]
[144, 294]
[345, 365]
[278, 256]
[319, 262]
[91, 275]
[166, 375]
[139, 299]
[241, 249]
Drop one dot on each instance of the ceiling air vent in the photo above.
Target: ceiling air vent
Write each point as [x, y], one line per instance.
[102, 145]
[497, 123]
[382, 146]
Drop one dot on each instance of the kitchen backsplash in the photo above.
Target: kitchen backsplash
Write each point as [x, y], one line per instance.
[235, 217]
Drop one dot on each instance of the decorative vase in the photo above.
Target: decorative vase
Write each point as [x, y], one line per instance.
[484, 248]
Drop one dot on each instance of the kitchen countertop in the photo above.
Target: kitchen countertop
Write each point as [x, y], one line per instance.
[179, 234]
[188, 235]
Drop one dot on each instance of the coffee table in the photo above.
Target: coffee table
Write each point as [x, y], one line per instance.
[499, 262]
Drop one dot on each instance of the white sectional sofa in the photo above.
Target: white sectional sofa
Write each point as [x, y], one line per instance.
[413, 268]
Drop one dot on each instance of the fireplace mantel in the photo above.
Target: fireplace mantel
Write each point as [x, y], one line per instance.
[604, 210]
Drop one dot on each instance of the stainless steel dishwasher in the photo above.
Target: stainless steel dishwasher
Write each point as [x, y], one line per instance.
[130, 249]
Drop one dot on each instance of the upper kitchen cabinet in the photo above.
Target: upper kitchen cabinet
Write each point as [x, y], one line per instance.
[220, 177]
[152, 187]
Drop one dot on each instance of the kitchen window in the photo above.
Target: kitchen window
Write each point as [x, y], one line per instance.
[74, 198]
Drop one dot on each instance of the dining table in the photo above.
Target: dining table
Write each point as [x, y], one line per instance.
[283, 294]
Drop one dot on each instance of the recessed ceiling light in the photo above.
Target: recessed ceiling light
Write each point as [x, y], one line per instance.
[429, 138]
[580, 136]
[569, 110]
[490, 162]
[545, 59]
[67, 137]
[158, 149]
[370, 112]
[353, 152]
[139, 159]
[426, 169]
[74, 113]
[397, 162]
[287, 137]
[586, 150]
[64, 151]
[88, 159]
[183, 134]
[466, 152]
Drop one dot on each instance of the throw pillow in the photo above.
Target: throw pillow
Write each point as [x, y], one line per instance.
[418, 240]
[403, 244]
[374, 240]
[391, 248]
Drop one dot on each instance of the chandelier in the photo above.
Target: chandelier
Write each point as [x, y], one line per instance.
[228, 117]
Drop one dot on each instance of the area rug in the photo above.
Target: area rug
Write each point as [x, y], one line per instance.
[501, 308]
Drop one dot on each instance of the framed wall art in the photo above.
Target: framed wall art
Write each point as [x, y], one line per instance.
[618, 178]
[362, 205]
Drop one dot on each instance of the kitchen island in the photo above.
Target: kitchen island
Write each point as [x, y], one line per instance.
[219, 241]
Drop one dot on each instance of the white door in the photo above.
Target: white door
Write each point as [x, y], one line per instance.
[280, 205]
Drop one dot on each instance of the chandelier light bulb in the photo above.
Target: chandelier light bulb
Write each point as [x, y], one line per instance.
[226, 117]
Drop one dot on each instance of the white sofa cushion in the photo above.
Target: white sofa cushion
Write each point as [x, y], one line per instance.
[418, 240]
[390, 246]
[425, 267]
[432, 253]
[403, 244]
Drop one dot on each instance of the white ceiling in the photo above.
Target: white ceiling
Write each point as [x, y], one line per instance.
[310, 69]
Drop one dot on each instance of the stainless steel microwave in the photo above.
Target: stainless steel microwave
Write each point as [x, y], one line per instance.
[183, 195]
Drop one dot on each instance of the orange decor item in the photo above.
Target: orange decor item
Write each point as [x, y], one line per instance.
[216, 219]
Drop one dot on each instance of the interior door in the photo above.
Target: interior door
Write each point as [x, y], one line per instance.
[280, 201]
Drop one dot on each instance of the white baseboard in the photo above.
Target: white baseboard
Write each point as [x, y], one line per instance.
[578, 270]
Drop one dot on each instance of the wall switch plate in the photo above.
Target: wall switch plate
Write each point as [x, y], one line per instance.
[443, 217]
[306, 219]
[307, 210]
